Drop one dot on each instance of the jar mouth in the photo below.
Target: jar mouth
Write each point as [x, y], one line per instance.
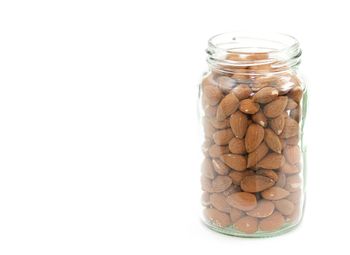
[276, 47]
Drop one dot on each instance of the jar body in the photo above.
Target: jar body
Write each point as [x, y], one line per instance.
[252, 174]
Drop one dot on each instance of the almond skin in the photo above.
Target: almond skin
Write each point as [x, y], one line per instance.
[239, 124]
[223, 137]
[216, 151]
[236, 162]
[272, 141]
[219, 202]
[247, 224]
[237, 176]
[284, 206]
[264, 209]
[207, 169]
[274, 193]
[292, 154]
[276, 107]
[272, 223]
[291, 128]
[221, 183]
[254, 136]
[212, 95]
[220, 167]
[218, 218]
[255, 156]
[228, 105]
[242, 91]
[237, 146]
[271, 161]
[256, 183]
[265, 95]
[268, 173]
[277, 124]
[259, 118]
[242, 200]
[248, 106]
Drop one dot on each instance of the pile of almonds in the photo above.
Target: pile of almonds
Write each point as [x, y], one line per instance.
[251, 174]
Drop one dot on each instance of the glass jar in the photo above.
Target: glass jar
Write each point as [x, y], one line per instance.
[253, 106]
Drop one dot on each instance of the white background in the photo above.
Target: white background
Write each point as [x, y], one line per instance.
[98, 124]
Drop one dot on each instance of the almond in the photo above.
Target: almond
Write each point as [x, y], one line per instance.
[208, 80]
[216, 151]
[256, 183]
[293, 183]
[292, 140]
[219, 202]
[242, 91]
[277, 124]
[242, 200]
[228, 105]
[218, 218]
[232, 189]
[292, 154]
[220, 167]
[259, 118]
[235, 214]
[272, 141]
[248, 106]
[212, 95]
[295, 197]
[264, 209]
[296, 93]
[239, 124]
[237, 146]
[274, 222]
[205, 198]
[247, 224]
[271, 161]
[291, 104]
[255, 156]
[207, 169]
[281, 179]
[268, 173]
[237, 176]
[265, 95]
[276, 107]
[236, 162]
[284, 206]
[210, 111]
[219, 124]
[253, 138]
[274, 193]
[209, 130]
[221, 183]
[289, 169]
[206, 184]
[291, 128]
[223, 137]
[225, 83]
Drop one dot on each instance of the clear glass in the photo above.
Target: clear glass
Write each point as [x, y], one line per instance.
[253, 106]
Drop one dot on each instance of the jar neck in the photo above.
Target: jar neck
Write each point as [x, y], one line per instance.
[253, 53]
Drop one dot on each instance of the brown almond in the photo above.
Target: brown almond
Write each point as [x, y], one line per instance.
[232, 189]
[292, 154]
[277, 124]
[237, 146]
[205, 198]
[296, 93]
[248, 106]
[208, 80]
[218, 218]
[256, 183]
[219, 202]
[235, 214]
[292, 140]
[284, 206]
[295, 114]
[206, 184]
[259, 118]
[225, 83]
[272, 141]
[268, 173]
[271, 161]
[219, 124]
[295, 197]
[210, 111]
[220, 167]
[236, 162]
[291, 104]
[274, 222]
[276, 107]
[239, 124]
[207, 169]
[282, 178]
[247, 224]
[221, 183]
[212, 95]
[216, 151]
[254, 136]
[242, 91]
[209, 130]
[274, 193]
[265, 95]
[223, 137]
[237, 176]
[242, 200]
[289, 169]
[264, 209]
[291, 128]
[293, 183]
[228, 105]
[255, 156]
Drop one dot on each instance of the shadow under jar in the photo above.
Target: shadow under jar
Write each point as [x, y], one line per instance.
[253, 106]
